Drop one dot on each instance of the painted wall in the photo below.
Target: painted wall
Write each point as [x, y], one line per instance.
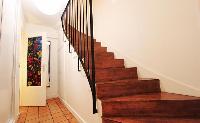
[19, 27]
[52, 35]
[160, 37]
[11, 31]
[74, 88]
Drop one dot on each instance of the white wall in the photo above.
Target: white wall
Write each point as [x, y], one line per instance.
[9, 83]
[52, 35]
[74, 88]
[19, 27]
[160, 37]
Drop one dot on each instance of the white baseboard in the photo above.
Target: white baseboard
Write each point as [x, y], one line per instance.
[14, 119]
[52, 95]
[76, 115]
[11, 121]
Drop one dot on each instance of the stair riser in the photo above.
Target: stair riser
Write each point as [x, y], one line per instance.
[84, 38]
[111, 75]
[127, 88]
[150, 120]
[96, 47]
[96, 53]
[96, 44]
[170, 108]
[109, 64]
[109, 121]
[104, 58]
[100, 57]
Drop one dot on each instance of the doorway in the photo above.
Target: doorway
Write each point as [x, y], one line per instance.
[33, 69]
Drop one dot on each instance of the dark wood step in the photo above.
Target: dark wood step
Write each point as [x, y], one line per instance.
[104, 60]
[84, 37]
[115, 63]
[152, 105]
[110, 120]
[104, 56]
[96, 45]
[127, 87]
[149, 120]
[97, 50]
[112, 74]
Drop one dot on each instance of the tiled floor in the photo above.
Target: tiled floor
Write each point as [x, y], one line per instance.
[54, 112]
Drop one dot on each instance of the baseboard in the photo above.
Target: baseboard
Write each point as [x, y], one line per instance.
[76, 115]
[11, 121]
[52, 95]
[14, 119]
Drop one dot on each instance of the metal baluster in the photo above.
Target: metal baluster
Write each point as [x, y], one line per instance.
[77, 23]
[70, 29]
[84, 33]
[66, 21]
[88, 54]
[93, 60]
[80, 37]
[73, 23]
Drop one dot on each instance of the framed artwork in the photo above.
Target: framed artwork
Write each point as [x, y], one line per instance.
[34, 59]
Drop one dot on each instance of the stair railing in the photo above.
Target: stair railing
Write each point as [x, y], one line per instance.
[77, 24]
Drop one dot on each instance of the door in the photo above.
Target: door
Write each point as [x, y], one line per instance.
[33, 69]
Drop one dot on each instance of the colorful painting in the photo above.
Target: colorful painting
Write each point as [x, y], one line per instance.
[34, 58]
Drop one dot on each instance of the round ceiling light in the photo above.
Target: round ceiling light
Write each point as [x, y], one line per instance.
[50, 7]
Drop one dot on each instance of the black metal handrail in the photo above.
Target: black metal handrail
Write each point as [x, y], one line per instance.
[77, 24]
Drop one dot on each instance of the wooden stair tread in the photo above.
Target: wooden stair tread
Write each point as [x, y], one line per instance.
[149, 120]
[127, 87]
[129, 80]
[152, 97]
[112, 74]
[152, 105]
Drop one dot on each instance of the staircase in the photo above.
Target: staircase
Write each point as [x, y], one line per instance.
[129, 99]
[125, 97]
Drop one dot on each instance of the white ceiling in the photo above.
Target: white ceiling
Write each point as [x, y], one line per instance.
[34, 15]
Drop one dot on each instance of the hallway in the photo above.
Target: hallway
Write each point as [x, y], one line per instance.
[99, 61]
[54, 112]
